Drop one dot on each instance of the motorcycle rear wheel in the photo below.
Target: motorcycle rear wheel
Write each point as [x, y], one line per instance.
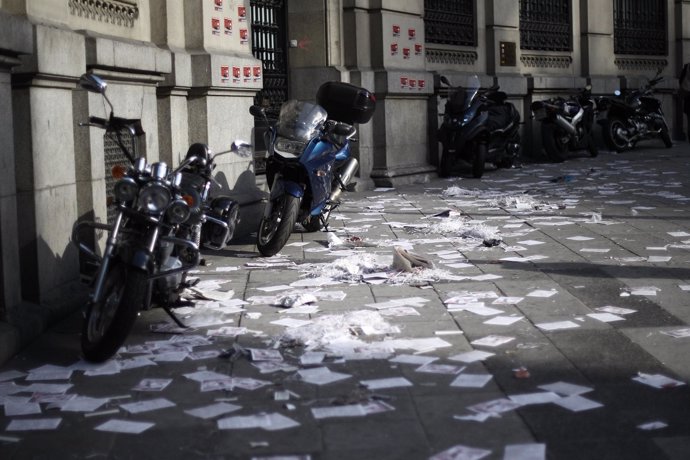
[447, 163]
[108, 323]
[275, 229]
[613, 140]
[551, 139]
[479, 159]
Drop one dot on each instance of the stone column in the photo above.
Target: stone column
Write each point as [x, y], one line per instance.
[45, 164]
[224, 79]
[16, 37]
[681, 53]
[393, 32]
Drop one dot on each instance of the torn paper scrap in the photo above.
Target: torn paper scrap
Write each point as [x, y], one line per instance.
[531, 451]
[655, 425]
[32, 424]
[124, 426]
[557, 325]
[678, 333]
[152, 385]
[565, 388]
[380, 384]
[146, 406]
[577, 403]
[657, 380]
[460, 452]
[471, 356]
[471, 380]
[492, 340]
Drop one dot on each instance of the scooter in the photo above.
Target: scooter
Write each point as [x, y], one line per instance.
[634, 116]
[478, 127]
[309, 161]
[566, 124]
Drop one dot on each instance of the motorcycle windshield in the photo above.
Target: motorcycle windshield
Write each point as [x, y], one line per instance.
[299, 121]
[471, 90]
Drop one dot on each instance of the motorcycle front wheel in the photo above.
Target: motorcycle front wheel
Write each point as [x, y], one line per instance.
[552, 138]
[613, 139]
[108, 323]
[447, 163]
[275, 229]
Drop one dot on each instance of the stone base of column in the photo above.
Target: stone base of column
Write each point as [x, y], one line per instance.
[393, 177]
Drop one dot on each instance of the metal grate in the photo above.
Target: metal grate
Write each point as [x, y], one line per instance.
[113, 156]
[639, 27]
[450, 22]
[269, 44]
[545, 25]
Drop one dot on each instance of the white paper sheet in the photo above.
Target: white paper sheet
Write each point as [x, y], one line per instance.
[577, 403]
[471, 380]
[213, 410]
[492, 341]
[471, 356]
[148, 405]
[532, 451]
[124, 426]
[380, 384]
[32, 424]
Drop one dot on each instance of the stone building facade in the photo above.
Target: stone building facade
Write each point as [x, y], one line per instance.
[190, 69]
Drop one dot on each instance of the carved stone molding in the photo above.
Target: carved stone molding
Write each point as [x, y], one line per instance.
[535, 60]
[438, 56]
[640, 63]
[117, 12]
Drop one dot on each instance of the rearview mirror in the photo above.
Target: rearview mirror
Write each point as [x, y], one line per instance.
[444, 80]
[92, 83]
[257, 111]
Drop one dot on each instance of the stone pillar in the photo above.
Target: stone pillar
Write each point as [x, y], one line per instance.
[16, 37]
[681, 53]
[224, 79]
[45, 164]
[395, 63]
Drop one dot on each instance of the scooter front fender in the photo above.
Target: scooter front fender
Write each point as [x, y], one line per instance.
[474, 130]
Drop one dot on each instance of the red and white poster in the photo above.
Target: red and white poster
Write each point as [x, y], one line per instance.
[412, 34]
[406, 53]
[418, 49]
[244, 36]
[215, 26]
[227, 23]
[404, 82]
[394, 49]
[396, 30]
[218, 5]
[256, 73]
[224, 73]
[236, 74]
[247, 73]
[242, 14]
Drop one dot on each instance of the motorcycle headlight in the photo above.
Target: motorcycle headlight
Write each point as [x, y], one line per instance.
[125, 189]
[288, 146]
[178, 211]
[154, 198]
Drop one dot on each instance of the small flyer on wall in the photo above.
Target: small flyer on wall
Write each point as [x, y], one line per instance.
[218, 5]
[224, 73]
[242, 14]
[215, 26]
[227, 22]
[244, 36]
[256, 72]
[236, 74]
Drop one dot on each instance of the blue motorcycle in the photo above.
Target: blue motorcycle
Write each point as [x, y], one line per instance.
[309, 162]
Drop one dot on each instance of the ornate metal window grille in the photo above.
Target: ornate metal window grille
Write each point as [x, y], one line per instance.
[639, 27]
[113, 156]
[118, 12]
[450, 22]
[269, 45]
[546, 25]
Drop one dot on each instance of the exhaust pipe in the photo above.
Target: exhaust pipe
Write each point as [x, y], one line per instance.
[563, 123]
[347, 172]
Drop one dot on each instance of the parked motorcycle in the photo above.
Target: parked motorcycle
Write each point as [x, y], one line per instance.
[309, 160]
[478, 127]
[566, 124]
[213, 218]
[141, 264]
[633, 116]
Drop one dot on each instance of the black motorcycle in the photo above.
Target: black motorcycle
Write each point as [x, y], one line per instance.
[566, 124]
[478, 127]
[142, 263]
[213, 218]
[633, 116]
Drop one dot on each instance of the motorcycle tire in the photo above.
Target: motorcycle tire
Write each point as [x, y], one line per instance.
[312, 224]
[479, 160]
[666, 138]
[108, 323]
[275, 229]
[550, 138]
[612, 139]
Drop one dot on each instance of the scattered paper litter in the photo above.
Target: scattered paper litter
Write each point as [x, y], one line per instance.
[413, 359]
[657, 380]
[471, 380]
[655, 425]
[392, 382]
[557, 325]
[540, 397]
[577, 403]
[471, 356]
[492, 340]
[605, 317]
[531, 451]
[460, 452]
[213, 410]
[152, 385]
[615, 310]
[33, 424]
[542, 293]
[565, 388]
[146, 406]
[268, 422]
[321, 376]
[124, 426]
[678, 333]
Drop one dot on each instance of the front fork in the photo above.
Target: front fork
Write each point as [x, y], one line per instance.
[97, 294]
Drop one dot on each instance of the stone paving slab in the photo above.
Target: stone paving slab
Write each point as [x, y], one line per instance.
[627, 203]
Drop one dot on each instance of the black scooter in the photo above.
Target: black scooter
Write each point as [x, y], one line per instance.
[478, 127]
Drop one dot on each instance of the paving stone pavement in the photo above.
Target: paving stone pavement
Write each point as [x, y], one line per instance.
[610, 231]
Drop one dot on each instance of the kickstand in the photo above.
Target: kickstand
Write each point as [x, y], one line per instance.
[170, 313]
